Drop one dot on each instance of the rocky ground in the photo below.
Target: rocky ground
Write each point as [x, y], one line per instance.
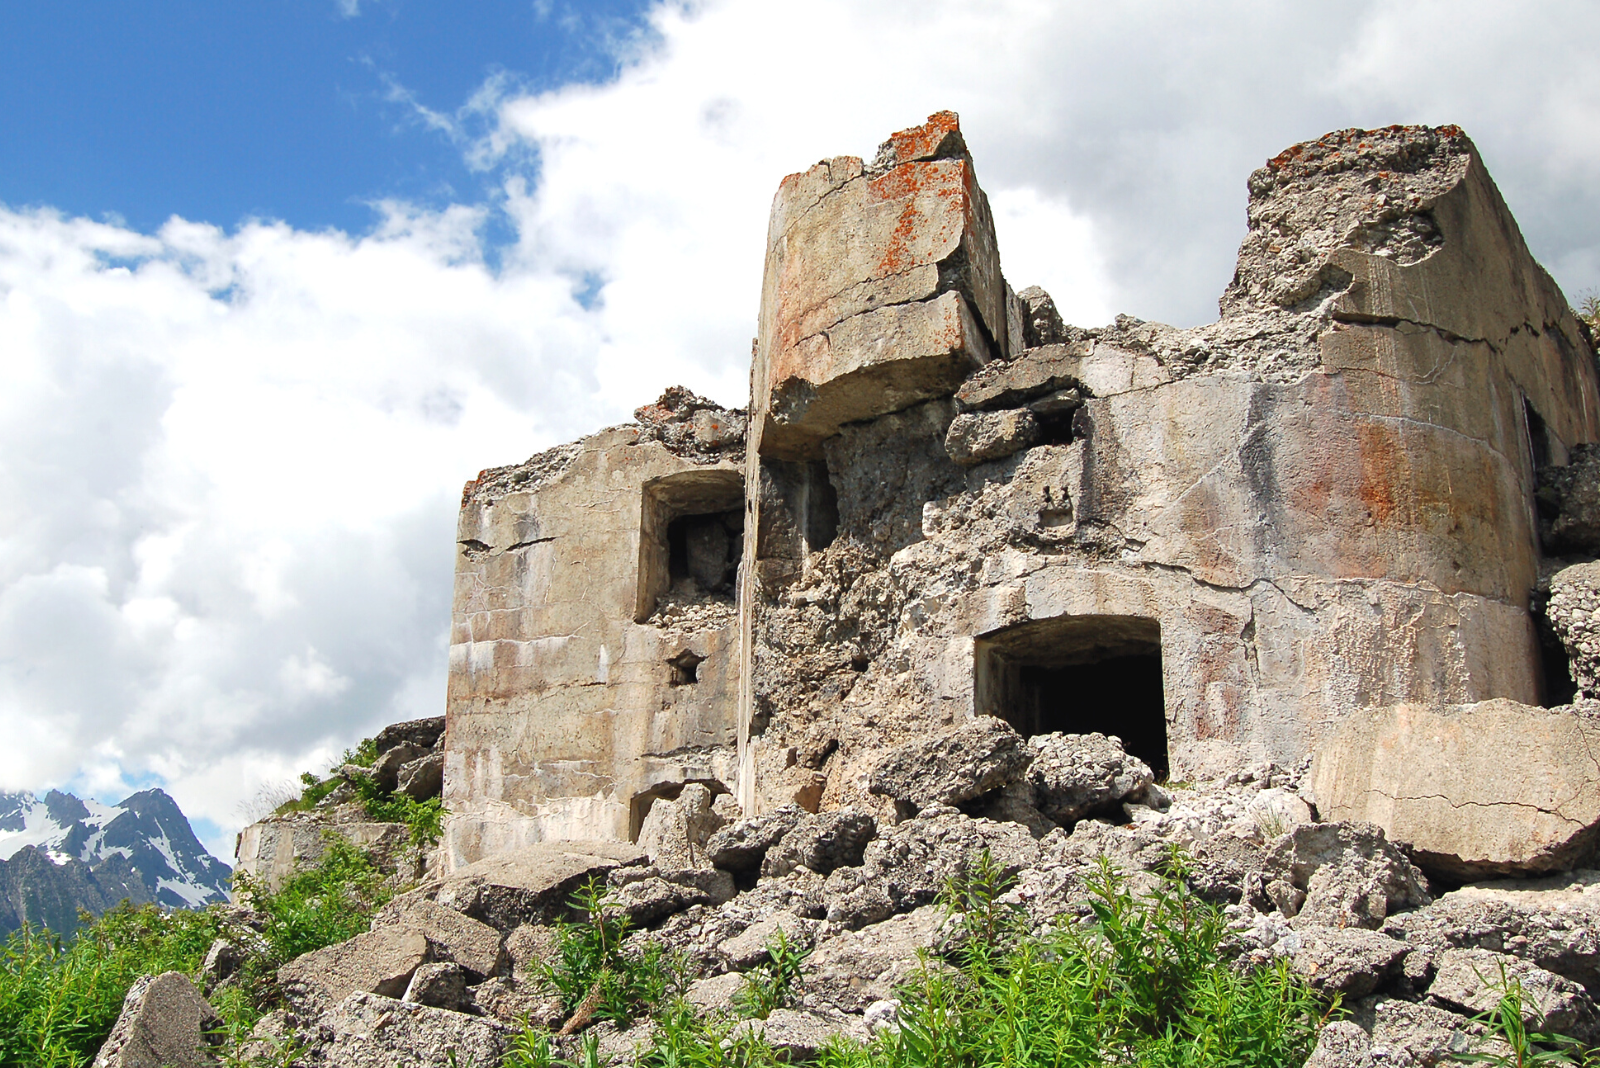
[454, 963]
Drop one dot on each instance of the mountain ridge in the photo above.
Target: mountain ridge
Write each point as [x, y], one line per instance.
[59, 854]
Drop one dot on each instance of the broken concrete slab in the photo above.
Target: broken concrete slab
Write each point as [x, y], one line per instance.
[1496, 787]
[165, 1023]
[956, 765]
[531, 885]
[474, 945]
[379, 962]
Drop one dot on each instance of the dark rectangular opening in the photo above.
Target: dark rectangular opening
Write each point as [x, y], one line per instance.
[1078, 675]
[1538, 436]
[691, 538]
[703, 551]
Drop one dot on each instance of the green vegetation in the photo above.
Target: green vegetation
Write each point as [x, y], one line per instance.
[596, 977]
[1142, 983]
[424, 818]
[771, 985]
[58, 1001]
[1523, 1048]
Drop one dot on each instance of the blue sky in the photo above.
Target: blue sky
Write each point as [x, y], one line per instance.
[277, 278]
[289, 109]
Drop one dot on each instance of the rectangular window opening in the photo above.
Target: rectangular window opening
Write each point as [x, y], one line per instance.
[1078, 675]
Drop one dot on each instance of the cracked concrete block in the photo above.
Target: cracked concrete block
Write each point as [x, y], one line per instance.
[882, 287]
[165, 1023]
[975, 437]
[380, 962]
[1495, 787]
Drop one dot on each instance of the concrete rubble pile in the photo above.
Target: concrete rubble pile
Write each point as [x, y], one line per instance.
[1309, 592]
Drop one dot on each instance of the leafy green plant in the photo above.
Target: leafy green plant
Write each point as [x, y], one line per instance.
[1524, 1048]
[974, 898]
[533, 1049]
[424, 818]
[772, 983]
[592, 972]
[58, 1000]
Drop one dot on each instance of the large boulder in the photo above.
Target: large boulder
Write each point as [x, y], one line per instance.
[821, 842]
[1474, 980]
[1490, 788]
[372, 1031]
[1351, 874]
[423, 733]
[532, 884]
[967, 761]
[470, 943]
[1075, 775]
[164, 1024]
[975, 437]
[379, 962]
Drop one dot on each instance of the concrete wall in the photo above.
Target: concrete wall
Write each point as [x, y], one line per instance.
[565, 716]
[1324, 499]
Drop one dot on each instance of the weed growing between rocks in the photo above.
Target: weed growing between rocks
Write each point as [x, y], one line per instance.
[1523, 1048]
[772, 984]
[1142, 981]
[424, 818]
[595, 977]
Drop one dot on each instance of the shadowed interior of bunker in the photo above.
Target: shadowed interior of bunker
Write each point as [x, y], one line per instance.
[1077, 675]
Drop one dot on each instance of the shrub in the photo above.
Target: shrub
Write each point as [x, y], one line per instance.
[771, 984]
[1142, 982]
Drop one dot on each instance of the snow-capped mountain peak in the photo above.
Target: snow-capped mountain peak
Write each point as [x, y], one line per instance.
[147, 831]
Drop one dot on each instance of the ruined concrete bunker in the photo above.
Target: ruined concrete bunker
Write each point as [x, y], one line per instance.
[1218, 543]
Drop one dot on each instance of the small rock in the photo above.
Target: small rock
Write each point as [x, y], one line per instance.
[969, 760]
[717, 993]
[1352, 874]
[444, 986]
[515, 1002]
[1341, 1044]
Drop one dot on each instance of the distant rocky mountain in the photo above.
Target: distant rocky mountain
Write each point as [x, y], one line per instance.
[59, 854]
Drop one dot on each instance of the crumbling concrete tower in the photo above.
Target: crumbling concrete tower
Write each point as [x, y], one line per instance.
[593, 655]
[1214, 542]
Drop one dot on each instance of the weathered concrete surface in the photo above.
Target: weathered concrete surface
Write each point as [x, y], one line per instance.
[882, 287]
[531, 884]
[163, 1025]
[1322, 502]
[379, 962]
[585, 674]
[1492, 787]
[275, 849]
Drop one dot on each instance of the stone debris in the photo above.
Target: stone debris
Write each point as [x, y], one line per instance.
[443, 985]
[1574, 601]
[1472, 981]
[976, 437]
[742, 846]
[530, 885]
[1569, 503]
[379, 962]
[165, 1023]
[369, 1030]
[1075, 775]
[958, 765]
[451, 936]
[821, 843]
